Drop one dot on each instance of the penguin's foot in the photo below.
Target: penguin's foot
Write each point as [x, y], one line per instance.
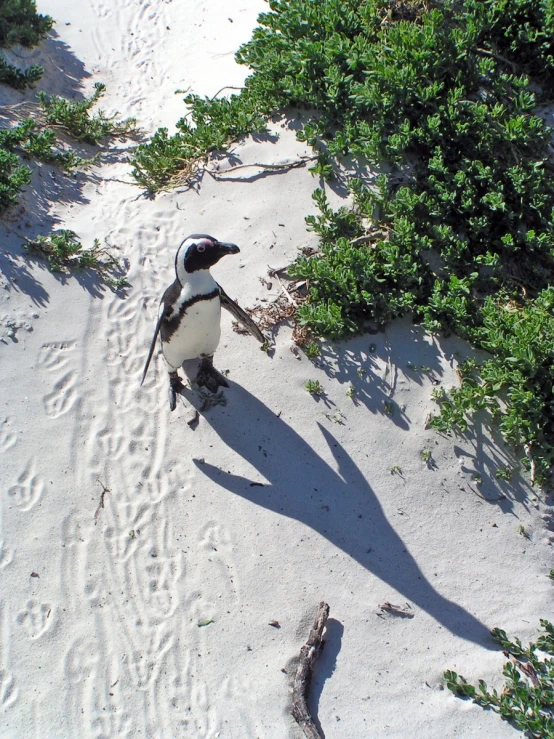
[209, 377]
[210, 400]
[175, 386]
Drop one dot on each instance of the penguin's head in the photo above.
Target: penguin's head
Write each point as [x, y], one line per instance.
[200, 251]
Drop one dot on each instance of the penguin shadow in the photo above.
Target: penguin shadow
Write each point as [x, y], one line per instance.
[340, 506]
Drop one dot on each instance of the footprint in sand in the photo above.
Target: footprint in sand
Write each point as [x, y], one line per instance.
[6, 555]
[144, 665]
[63, 396]
[28, 489]
[107, 726]
[8, 437]
[81, 659]
[215, 540]
[55, 356]
[8, 690]
[36, 618]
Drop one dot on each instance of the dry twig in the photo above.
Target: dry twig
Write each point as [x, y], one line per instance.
[101, 504]
[308, 655]
[218, 174]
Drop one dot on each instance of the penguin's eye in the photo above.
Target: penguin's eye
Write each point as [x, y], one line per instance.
[201, 247]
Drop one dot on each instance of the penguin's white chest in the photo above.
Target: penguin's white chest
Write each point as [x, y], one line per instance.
[198, 333]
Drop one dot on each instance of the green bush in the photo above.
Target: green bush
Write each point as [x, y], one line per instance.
[21, 24]
[527, 699]
[459, 231]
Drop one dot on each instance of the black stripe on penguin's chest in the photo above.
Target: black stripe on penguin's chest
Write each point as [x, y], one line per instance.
[171, 324]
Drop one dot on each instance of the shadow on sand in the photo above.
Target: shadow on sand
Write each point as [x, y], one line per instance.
[340, 506]
[64, 75]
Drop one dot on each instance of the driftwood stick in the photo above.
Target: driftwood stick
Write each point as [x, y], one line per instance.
[308, 655]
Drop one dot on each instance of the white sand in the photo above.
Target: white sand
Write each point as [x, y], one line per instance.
[106, 642]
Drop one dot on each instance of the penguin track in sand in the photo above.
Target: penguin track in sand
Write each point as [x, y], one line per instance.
[8, 438]
[55, 355]
[63, 397]
[215, 541]
[8, 689]
[28, 489]
[6, 555]
[36, 618]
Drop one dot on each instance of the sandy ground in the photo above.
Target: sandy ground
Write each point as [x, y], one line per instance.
[274, 502]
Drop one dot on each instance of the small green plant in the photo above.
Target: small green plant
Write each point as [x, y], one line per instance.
[65, 253]
[426, 455]
[527, 699]
[323, 167]
[551, 574]
[522, 531]
[388, 407]
[213, 125]
[314, 387]
[351, 392]
[312, 350]
[75, 117]
[504, 473]
[396, 470]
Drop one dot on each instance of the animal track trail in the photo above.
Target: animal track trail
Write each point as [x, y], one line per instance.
[6, 555]
[81, 659]
[108, 444]
[28, 489]
[128, 531]
[8, 438]
[9, 692]
[55, 356]
[236, 692]
[103, 700]
[215, 541]
[145, 663]
[157, 583]
[109, 725]
[63, 397]
[36, 618]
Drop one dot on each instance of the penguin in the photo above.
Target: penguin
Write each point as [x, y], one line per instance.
[190, 314]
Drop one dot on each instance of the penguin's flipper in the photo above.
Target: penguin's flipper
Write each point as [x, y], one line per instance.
[153, 344]
[242, 316]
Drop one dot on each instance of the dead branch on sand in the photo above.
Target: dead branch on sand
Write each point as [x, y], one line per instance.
[308, 655]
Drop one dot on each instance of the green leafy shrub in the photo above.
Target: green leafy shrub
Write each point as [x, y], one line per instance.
[214, 125]
[459, 232]
[527, 700]
[74, 117]
[37, 138]
[21, 24]
[65, 253]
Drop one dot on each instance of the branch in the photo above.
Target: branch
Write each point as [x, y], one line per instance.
[498, 57]
[527, 450]
[271, 167]
[308, 655]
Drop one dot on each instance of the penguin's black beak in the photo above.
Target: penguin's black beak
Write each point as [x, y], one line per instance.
[227, 248]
